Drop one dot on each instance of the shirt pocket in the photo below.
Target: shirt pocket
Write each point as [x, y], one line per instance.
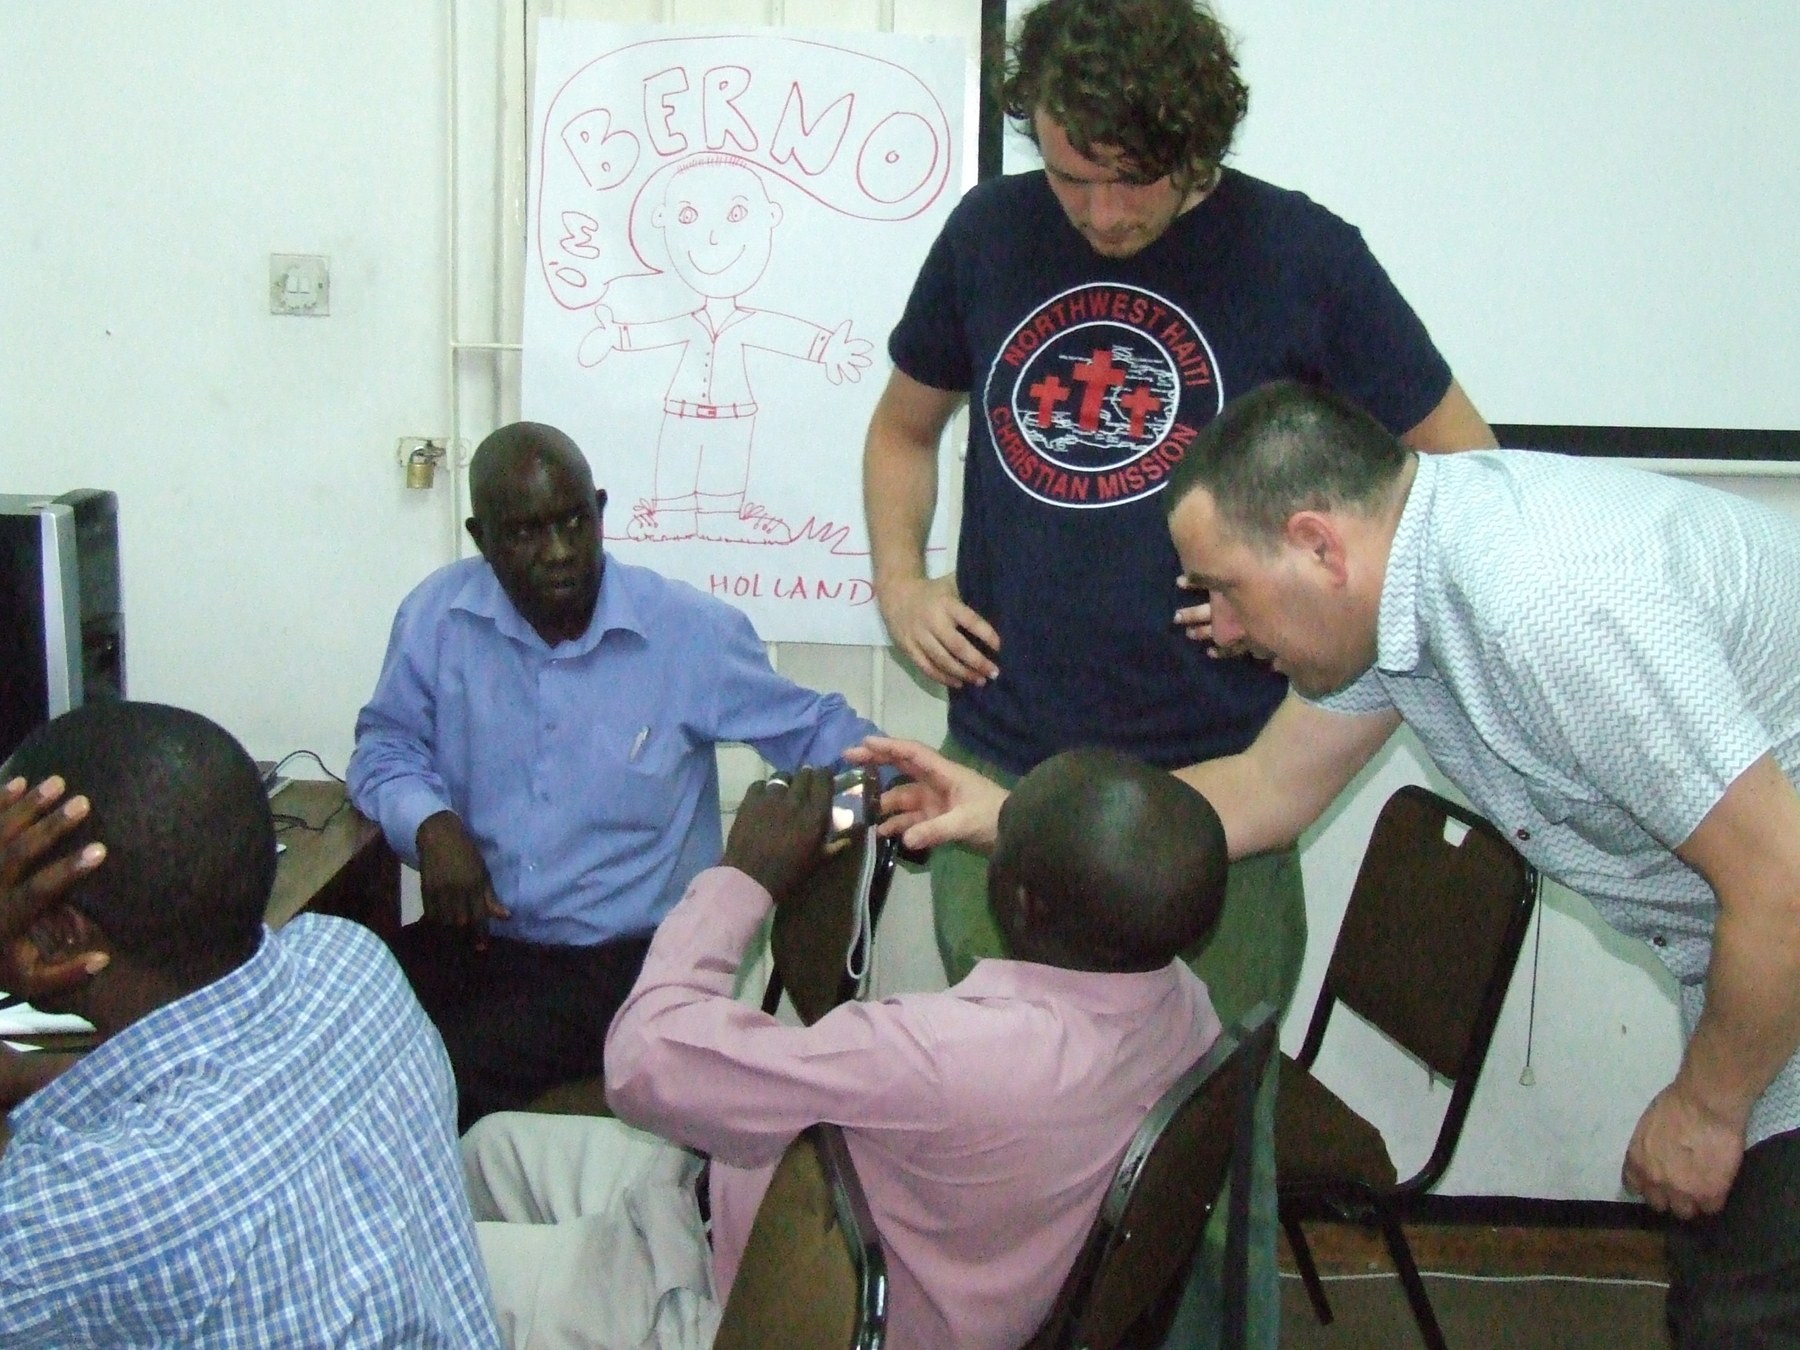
[649, 772]
[1595, 821]
[1551, 806]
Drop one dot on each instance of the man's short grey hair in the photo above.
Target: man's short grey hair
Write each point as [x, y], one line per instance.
[1287, 447]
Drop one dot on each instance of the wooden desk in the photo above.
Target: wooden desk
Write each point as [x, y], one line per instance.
[346, 868]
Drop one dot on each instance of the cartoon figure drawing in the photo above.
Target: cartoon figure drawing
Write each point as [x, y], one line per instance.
[718, 222]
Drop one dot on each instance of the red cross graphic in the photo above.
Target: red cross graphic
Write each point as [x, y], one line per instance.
[1140, 403]
[1099, 374]
[1048, 392]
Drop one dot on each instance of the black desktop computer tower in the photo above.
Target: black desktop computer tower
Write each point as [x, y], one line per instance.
[62, 626]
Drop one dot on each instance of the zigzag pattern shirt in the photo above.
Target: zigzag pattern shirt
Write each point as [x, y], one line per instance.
[1594, 654]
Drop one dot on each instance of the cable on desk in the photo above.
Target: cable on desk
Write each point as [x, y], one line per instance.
[313, 755]
[286, 820]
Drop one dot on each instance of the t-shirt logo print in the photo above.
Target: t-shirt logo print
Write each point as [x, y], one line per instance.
[1093, 399]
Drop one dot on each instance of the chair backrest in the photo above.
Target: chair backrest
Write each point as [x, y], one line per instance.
[812, 1276]
[1124, 1285]
[809, 941]
[1428, 945]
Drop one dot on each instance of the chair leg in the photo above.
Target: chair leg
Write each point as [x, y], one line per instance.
[1309, 1272]
[1401, 1252]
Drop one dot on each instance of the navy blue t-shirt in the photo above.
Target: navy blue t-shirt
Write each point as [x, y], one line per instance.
[1088, 377]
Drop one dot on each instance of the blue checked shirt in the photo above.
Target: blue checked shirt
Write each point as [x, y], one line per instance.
[1594, 654]
[269, 1161]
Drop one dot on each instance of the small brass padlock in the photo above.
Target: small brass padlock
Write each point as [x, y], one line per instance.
[421, 466]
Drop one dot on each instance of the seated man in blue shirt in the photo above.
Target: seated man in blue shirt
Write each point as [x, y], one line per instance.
[540, 745]
[261, 1150]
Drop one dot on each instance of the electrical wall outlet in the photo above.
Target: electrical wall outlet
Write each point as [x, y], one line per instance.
[300, 284]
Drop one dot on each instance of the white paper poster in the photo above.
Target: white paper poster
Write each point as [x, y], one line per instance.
[724, 229]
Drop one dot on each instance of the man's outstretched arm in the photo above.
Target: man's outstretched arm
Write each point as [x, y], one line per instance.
[1290, 774]
[1265, 796]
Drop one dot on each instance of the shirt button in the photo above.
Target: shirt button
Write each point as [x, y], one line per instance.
[1659, 940]
[1521, 835]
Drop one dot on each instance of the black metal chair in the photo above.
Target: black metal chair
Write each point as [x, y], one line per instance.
[1426, 952]
[1126, 1283]
[818, 937]
[813, 1276]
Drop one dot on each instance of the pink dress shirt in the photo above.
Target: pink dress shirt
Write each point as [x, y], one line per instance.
[985, 1120]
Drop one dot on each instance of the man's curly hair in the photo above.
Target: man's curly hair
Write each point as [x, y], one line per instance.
[1154, 78]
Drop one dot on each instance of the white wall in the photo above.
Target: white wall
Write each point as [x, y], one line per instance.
[1591, 204]
[152, 156]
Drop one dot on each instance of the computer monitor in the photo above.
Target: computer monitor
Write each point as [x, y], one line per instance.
[62, 627]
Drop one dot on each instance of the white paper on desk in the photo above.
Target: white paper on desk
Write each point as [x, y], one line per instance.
[24, 1020]
[21, 1046]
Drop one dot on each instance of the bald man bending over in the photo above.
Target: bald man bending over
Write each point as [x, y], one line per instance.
[985, 1120]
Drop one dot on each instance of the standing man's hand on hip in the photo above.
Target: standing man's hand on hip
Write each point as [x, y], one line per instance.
[941, 635]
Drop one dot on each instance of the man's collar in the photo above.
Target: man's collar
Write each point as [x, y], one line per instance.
[154, 1044]
[1097, 991]
[482, 595]
[1398, 641]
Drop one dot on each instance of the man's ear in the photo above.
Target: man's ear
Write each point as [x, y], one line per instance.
[1316, 535]
[61, 950]
[473, 526]
[599, 504]
[1026, 911]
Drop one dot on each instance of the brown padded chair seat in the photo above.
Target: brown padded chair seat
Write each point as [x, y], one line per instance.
[1317, 1136]
[813, 1273]
[581, 1097]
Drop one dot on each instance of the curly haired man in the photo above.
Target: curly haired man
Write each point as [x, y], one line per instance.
[1097, 314]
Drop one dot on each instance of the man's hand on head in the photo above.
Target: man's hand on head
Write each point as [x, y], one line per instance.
[454, 886]
[35, 876]
[778, 837]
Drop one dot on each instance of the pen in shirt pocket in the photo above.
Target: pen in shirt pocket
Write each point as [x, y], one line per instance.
[637, 744]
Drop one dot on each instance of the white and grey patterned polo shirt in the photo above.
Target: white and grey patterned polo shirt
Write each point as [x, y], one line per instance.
[1593, 654]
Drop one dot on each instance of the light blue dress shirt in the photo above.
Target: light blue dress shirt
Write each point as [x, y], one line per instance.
[269, 1161]
[586, 772]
